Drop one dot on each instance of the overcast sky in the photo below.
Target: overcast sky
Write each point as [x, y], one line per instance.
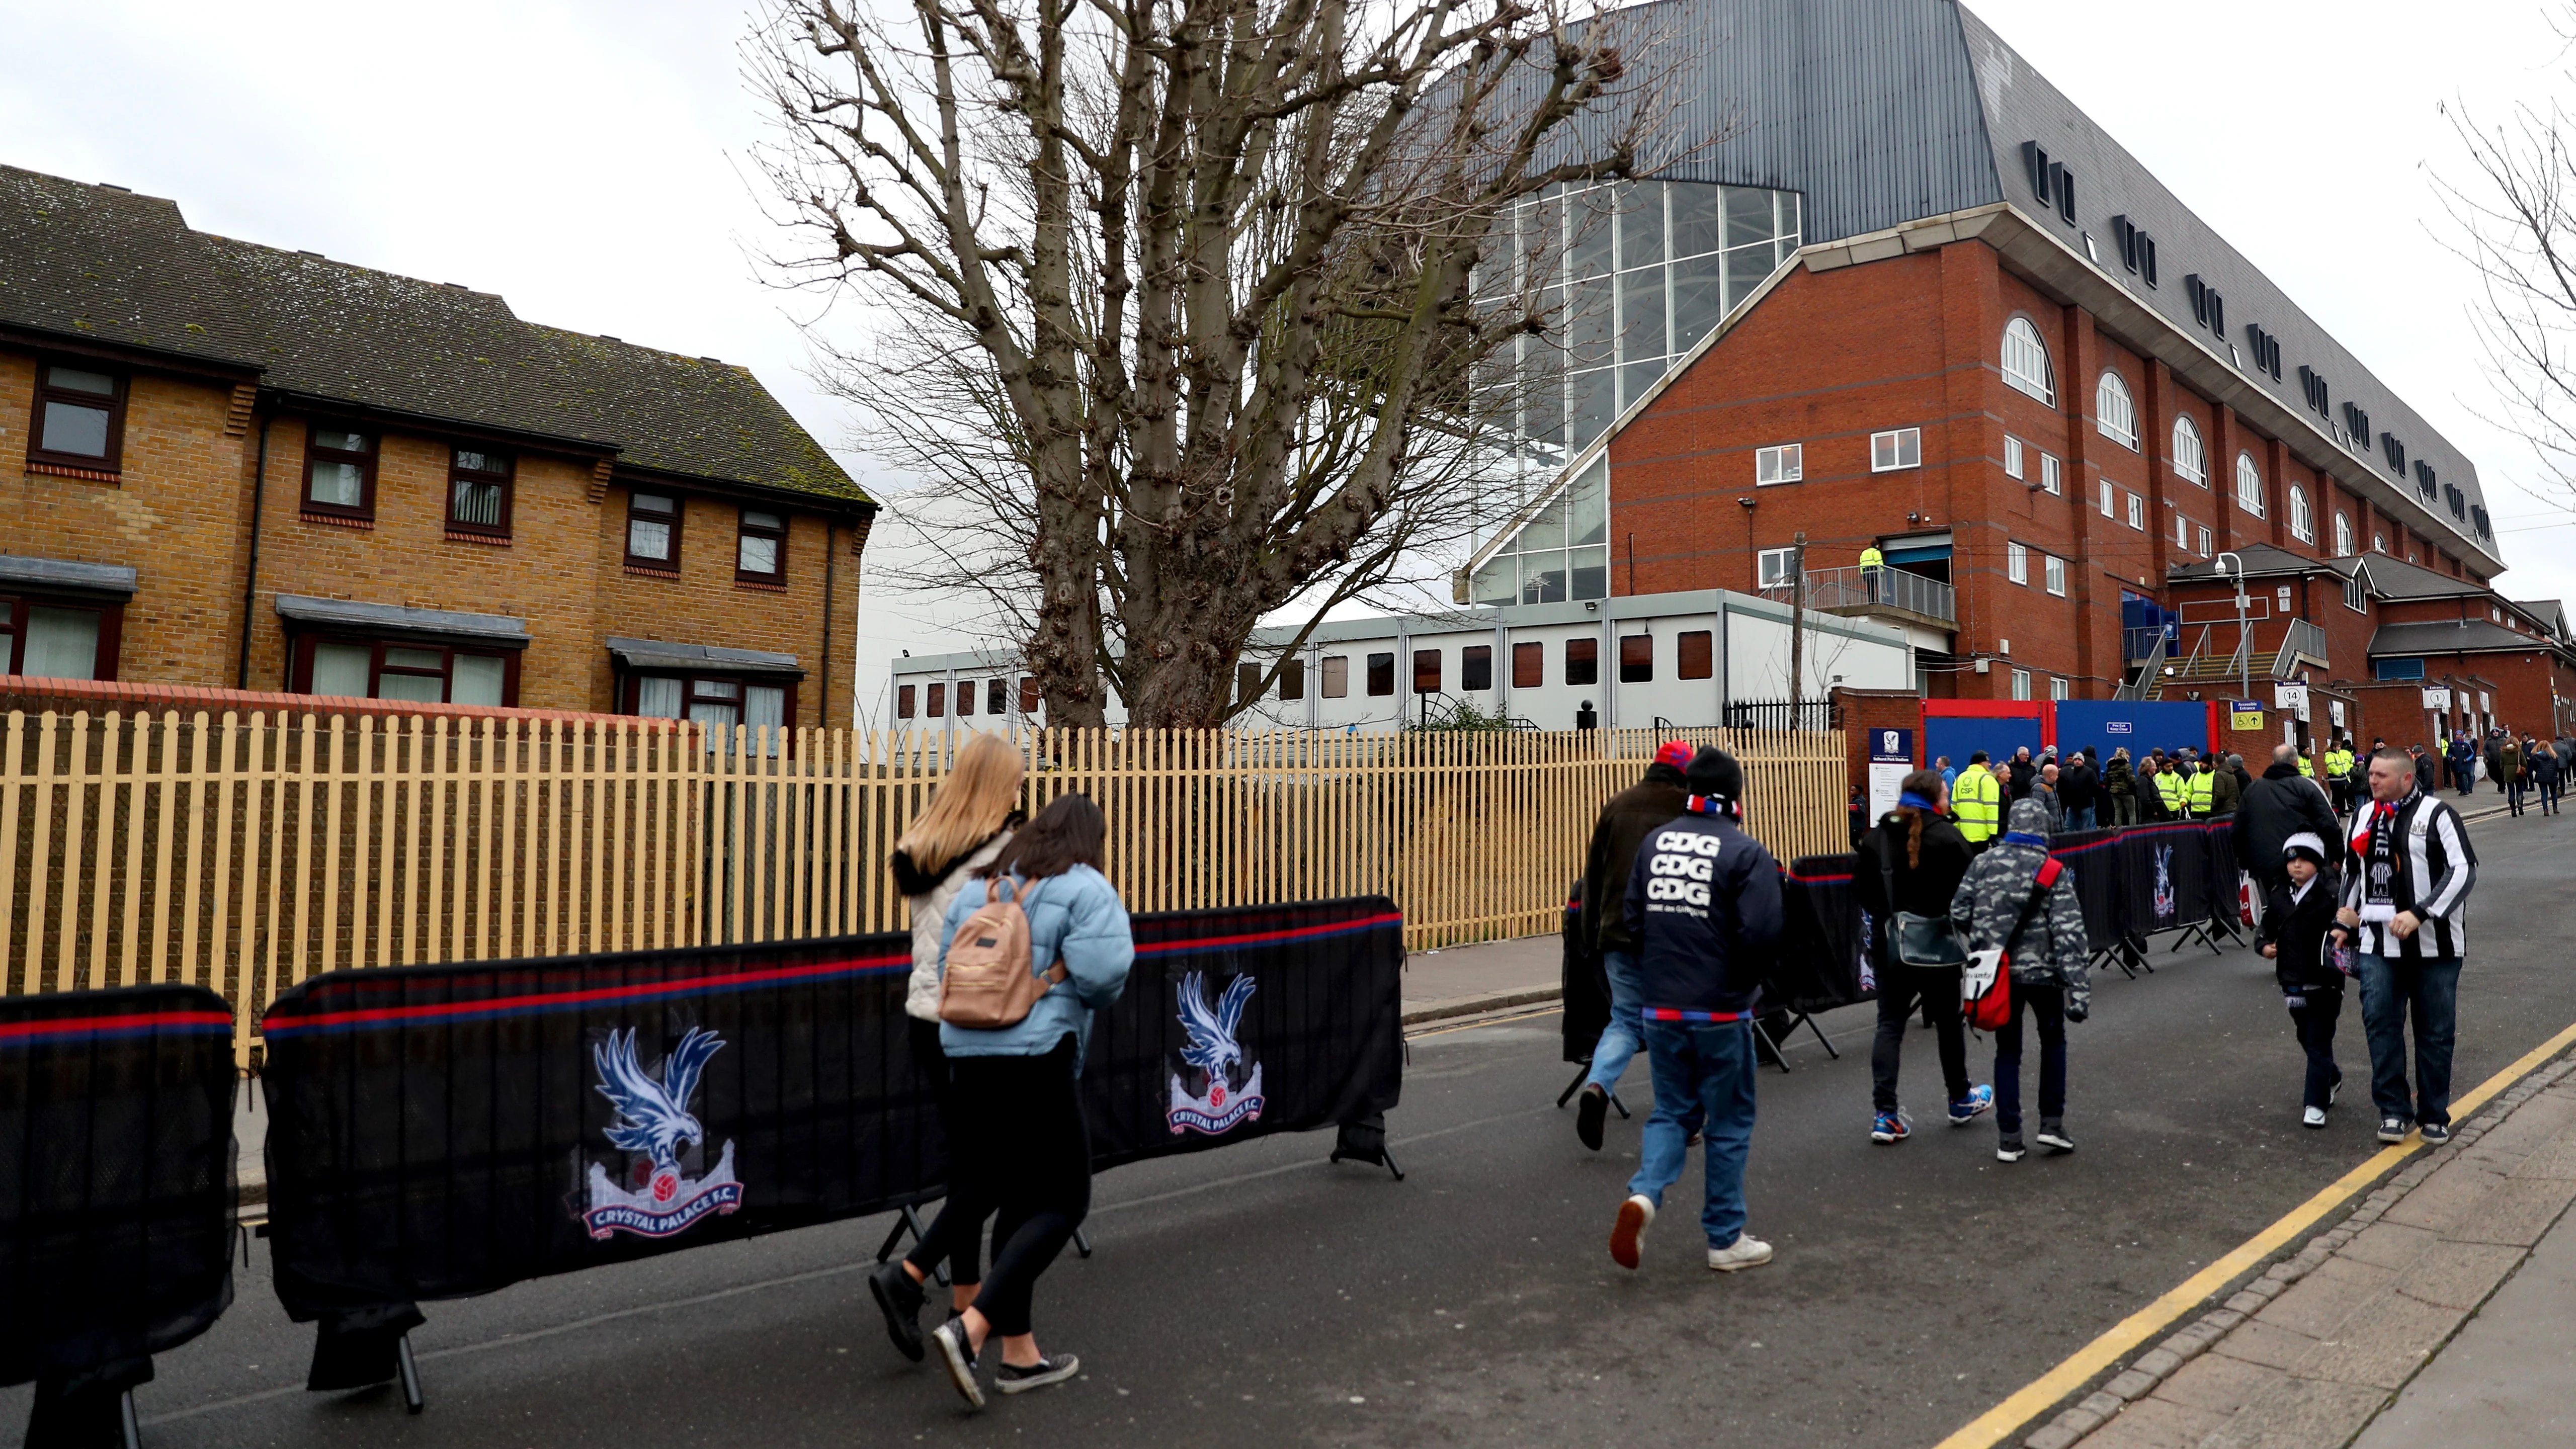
[587, 161]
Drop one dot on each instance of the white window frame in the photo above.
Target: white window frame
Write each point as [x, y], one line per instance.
[2355, 597]
[2017, 563]
[2052, 477]
[2110, 500]
[2115, 413]
[1781, 463]
[2204, 539]
[2012, 457]
[2342, 534]
[2025, 361]
[2182, 533]
[2138, 512]
[1765, 576]
[2249, 483]
[1895, 450]
[2053, 569]
[2060, 687]
[2021, 684]
[2303, 519]
[2190, 451]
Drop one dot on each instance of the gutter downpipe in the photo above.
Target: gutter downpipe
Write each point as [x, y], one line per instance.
[250, 578]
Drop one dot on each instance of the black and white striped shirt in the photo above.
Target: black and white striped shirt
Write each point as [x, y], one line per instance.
[2429, 870]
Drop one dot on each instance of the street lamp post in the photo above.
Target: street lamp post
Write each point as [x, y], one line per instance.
[2244, 640]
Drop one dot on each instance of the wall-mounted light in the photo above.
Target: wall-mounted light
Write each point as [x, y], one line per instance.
[1746, 500]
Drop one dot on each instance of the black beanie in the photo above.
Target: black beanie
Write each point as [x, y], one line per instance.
[1714, 772]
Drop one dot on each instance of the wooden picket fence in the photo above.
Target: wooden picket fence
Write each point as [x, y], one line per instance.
[249, 852]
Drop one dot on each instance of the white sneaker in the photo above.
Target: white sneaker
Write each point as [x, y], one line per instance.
[1628, 1236]
[1746, 1251]
[2313, 1117]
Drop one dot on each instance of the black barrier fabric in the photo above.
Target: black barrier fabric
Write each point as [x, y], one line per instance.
[116, 1176]
[1824, 959]
[1584, 979]
[446, 1130]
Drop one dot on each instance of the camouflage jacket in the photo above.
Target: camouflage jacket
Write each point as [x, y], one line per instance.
[1990, 899]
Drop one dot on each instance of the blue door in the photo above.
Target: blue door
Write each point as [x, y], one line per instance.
[2139, 724]
[1959, 736]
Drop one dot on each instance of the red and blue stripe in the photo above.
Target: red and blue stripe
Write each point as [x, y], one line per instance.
[115, 1028]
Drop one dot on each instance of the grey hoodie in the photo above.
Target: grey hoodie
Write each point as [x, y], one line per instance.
[1998, 884]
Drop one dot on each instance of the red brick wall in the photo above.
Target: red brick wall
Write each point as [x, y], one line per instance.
[1859, 711]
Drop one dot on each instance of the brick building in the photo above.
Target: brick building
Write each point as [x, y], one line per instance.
[1989, 344]
[263, 469]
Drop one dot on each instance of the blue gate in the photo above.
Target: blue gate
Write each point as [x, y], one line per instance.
[2139, 724]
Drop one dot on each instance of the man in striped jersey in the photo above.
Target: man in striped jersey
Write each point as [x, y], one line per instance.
[2406, 902]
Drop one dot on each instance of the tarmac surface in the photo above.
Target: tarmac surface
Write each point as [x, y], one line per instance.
[1260, 1296]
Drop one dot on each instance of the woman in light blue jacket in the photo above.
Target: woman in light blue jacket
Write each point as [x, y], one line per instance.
[1022, 1149]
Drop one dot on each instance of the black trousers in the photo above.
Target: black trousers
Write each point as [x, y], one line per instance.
[2315, 1019]
[2047, 1008]
[1023, 1153]
[1899, 987]
[952, 1234]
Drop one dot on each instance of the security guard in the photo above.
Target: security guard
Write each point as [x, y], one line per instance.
[1871, 562]
[1977, 802]
[2175, 790]
[2339, 774]
[2204, 778]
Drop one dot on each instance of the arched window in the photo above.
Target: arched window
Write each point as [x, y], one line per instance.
[2342, 535]
[2303, 521]
[2026, 361]
[2113, 413]
[2191, 456]
[2249, 485]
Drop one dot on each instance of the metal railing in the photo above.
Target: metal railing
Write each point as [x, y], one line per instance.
[1883, 588]
[2303, 638]
[2148, 681]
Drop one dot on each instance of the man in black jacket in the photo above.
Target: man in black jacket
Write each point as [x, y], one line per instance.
[2281, 804]
[2079, 788]
[2021, 774]
[1704, 902]
[1630, 816]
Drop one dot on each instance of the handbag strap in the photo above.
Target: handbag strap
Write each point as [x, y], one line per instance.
[2039, 888]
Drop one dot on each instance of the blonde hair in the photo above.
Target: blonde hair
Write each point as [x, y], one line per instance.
[972, 803]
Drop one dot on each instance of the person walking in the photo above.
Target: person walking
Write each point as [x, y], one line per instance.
[968, 822]
[2119, 786]
[2282, 804]
[2463, 758]
[2079, 786]
[2339, 775]
[2492, 752]
[2012, 900]
[2226, 784]
[1911, 863]
[2546, 774]
[1977, 801]
[1704, 904]
[1023, 1150]
[2509, 772]
[2405, 895]
[1625, 822]
[2424, 767]
[2298, 917]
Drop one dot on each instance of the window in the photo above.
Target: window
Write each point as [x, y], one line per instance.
[59, 638]
[1901, 448]
[997, 696]
[1337, 676]
[1772, 567]
[2110, 500]
[1529, 666]
[760, 554]
[2021, 684]
[938, 701]
[2397, 668]
[2017, 563]
[2190, 455]
[903, 701]
[723, 701]
[2055, 572]
[339, 473]
[2026, 361]
[1637, 659]
[2355, 596]
[404, 669]
[1698, 655]
[1247, 684]
[1426, 671]
[2249, 485]
[2059, 688]
[1560, 552]
[1381, 674]
[2303, 522]
[2204, 539]
[2115, 416]
[1292, 683]
[2137, 513]
[2012, 456]
[2182, 533]
[2342, 535]
[653, 532]
[2379, 543]
[2052, 478]
[1786, 463]
[965, 697]
[1583, 661]
[80, 419]
[1476, 667]
[478, 493]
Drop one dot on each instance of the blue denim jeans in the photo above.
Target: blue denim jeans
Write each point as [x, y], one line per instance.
[2080, 819]
[1703, 1083]
[2392, 990]
[1619, 1039]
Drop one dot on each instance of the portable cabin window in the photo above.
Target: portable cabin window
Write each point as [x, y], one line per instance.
[50, 638]
[478, 492]
[1030, 700]
[903, 701]
[1476, 667]
[1381, 675]
[339, 472]
[760, 554]
[965, 698]
[653, 532]
[1583, 661]
[1529, 666]
[1292, 680]
[1697, 655]
[997, 695]
[354, 667]
[936, 706]
[1426, 671]
[80, 418]
[1247, 684]
[1337, 676]
[1636, 659]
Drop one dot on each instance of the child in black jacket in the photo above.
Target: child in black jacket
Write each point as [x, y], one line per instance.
[2299, 935]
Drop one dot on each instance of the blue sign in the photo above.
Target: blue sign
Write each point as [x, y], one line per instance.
[2118, 727]
[1891, 747]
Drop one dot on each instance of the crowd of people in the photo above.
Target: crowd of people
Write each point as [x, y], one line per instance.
[2364, 873]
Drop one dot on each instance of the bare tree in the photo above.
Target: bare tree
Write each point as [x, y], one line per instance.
[1181, 289]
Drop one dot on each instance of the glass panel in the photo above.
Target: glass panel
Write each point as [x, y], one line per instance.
[660, 699]
[1697, 301]
[412, 688]
[721, 714]
[342, 669]
[1641, 224]
[1337, 676]
[1498, 582]
[1641, 315]
[342, 485]
[997, 696]
[720, 688]
[1543, 404]
[647, 538]
[760, 520]
[1748, 215]
[765, 704]
[651, 503]
[339, 440]
[1588, 248]
[474, 462]
[1588, 324]
[476, 679]
[61, 643]
[1792, 226]
[1745, 269]
[965, 696]
[1591, 573]
[1381, 674]
[1588, 410]
[1587, 504]
[759, 555]
[478, 503]
[416, 659]
[74, 379]
[1636, 377]
[75, 428]
[1547, 530]
[1699, 223]
[1543, 577]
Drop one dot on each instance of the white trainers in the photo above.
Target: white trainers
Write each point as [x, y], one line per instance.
[1747, 1251]
[2313, 1117]
[1628, 1236]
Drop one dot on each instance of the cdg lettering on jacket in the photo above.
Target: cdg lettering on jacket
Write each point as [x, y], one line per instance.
[1680, 870]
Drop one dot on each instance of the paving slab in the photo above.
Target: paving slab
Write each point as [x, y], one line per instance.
[2508, 1380]
[1462, 980]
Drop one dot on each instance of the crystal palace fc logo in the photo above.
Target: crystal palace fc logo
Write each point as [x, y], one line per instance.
[1216, 1057]
[2164, 899]
[653, 1121]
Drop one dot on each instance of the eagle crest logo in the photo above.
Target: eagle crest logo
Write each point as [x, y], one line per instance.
[656, 1131]
[1215, 1057]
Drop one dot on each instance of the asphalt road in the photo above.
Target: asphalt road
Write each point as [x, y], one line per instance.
[1264, 1297]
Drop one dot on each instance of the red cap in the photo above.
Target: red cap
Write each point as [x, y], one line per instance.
[1676, 753]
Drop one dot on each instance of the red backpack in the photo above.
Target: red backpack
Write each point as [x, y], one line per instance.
[1986, 985]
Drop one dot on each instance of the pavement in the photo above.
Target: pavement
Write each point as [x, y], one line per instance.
[1266, 1297]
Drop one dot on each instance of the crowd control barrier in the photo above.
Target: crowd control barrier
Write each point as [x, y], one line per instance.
[116, 1196]
[439, 1131]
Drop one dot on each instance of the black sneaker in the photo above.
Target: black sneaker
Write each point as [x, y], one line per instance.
[1013, 1379]
[2009, 1150]
[900, 1299]
[2392, 1129]
[1591, 1109]
[2052, 1135]
[960, 1360]
[2435, 1133]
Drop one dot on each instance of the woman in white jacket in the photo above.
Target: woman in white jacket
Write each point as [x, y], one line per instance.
[968, 822]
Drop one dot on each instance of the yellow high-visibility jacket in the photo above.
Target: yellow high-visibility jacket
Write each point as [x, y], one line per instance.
[1976, 803]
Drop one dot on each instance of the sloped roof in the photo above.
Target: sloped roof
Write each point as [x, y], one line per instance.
[2550, 612]
[103, 264]
[2395, 578]
[2451, 636]
[2261, 561]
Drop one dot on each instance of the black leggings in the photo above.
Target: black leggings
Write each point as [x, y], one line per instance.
[2315, 1020]
[952, 1234]
[1899, 987]
[1023, 1152]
